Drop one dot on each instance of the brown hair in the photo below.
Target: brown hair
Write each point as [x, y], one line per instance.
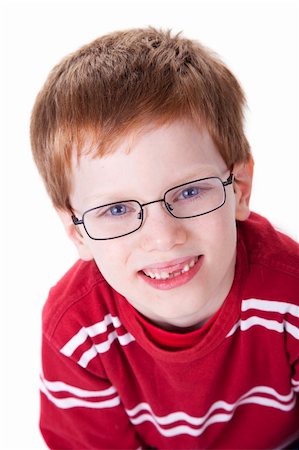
[121, 81]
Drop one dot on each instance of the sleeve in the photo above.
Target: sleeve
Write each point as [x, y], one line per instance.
[292, 344]
[80, 410]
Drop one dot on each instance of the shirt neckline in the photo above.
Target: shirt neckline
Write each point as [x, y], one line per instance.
[170, 340]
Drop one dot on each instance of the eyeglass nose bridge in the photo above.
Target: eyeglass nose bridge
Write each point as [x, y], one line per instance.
[161, 200]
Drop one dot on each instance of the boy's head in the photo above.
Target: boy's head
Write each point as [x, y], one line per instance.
[121, 82]
[136, 136]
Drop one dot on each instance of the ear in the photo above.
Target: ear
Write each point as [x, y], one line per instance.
[74, 234]
[243, 173]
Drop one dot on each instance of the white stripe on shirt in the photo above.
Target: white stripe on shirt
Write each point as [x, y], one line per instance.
[95, 330]
[60, 386]
[271, 306]
[104, 347]
[263, 395]
[91, 331]
[49, 387]
[274, 325]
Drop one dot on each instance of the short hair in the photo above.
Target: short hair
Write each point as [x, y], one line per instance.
[123, 81]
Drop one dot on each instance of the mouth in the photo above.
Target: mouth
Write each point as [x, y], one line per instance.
[173, 274]
[171, 271]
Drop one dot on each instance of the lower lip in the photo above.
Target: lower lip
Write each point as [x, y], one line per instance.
[174, 282]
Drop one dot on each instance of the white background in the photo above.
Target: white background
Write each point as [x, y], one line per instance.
[259, 42]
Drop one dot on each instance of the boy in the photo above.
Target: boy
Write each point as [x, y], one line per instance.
[178, 327]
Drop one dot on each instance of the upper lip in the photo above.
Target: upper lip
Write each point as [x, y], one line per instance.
[175, 264]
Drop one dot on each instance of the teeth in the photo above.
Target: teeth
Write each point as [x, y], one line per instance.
[186, 268]
[192, 263]
[165, 275]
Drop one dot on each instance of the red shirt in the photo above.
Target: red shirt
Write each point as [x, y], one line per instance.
[112, 380]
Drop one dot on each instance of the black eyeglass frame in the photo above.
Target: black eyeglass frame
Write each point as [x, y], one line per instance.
[140, 216]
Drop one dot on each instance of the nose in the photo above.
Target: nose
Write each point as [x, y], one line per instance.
[161, 231]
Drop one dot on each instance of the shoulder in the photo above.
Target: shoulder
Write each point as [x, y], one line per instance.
[266, 244]
[81, 297]
[273, 259]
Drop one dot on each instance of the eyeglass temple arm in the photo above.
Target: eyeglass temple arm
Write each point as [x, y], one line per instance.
[229, 180]
[76, 221]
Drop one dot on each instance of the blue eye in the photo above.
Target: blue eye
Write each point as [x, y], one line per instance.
[118, 210]
[192, 191]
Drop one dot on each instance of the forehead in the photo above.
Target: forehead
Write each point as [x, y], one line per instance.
[152, 159]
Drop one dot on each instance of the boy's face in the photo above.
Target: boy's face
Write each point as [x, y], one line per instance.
[159, 159]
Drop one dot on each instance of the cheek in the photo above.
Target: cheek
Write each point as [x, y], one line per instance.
[221, 233]
[227, 237]
[111, 259]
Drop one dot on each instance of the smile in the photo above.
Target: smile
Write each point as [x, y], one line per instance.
[172, 275]
[166, 274]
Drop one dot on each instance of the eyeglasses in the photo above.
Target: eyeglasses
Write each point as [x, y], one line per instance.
[192, 199]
